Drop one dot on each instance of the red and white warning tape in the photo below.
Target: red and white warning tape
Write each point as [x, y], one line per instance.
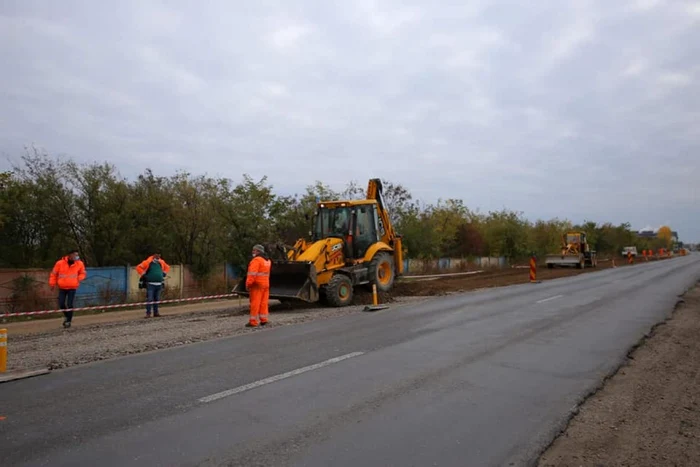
[121, 305]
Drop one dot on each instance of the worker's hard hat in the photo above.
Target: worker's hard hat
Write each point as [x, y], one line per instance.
[259, 248]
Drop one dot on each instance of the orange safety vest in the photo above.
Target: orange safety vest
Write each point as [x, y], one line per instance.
[142, 267]
[258, 273]
[67, 276]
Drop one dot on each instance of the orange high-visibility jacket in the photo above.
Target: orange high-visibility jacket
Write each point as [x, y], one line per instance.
[67, 276]
[142, 267]
[258, 273]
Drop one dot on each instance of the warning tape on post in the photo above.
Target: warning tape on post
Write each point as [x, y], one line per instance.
[121, 305]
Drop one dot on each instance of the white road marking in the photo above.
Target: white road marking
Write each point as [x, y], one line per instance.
[272, 379]
[550, 298]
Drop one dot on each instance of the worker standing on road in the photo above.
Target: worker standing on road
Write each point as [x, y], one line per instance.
[258, 284]
[67, 274]
[153, 271]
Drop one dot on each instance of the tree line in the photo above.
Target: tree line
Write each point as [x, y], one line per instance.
[49, 205]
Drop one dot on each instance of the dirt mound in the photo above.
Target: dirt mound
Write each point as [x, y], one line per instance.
[363, 296]
[486, 279]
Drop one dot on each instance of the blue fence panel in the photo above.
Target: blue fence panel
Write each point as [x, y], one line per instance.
[107, 285]
[233, 272]
[444, 263]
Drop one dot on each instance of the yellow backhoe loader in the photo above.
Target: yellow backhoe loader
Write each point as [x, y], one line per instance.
[575, 251]
[353, 243]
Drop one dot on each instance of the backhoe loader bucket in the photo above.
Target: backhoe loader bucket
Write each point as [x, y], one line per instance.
[289, 280]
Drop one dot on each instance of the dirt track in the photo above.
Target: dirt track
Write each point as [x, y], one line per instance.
[493, 278]
[648, 413]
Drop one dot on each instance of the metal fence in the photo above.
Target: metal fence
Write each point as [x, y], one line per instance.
[28, 289]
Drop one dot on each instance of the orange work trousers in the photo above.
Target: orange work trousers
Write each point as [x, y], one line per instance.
[259, 298]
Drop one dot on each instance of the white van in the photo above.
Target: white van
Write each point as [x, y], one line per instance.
[631, 249]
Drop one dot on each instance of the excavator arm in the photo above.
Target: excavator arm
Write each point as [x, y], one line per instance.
[386, 228]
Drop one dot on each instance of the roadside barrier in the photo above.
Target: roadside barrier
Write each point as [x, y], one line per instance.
[533, 270]
[121, 305]
[3, 350]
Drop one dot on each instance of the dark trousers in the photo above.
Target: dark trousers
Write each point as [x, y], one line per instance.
[65, 300]
[153, 295]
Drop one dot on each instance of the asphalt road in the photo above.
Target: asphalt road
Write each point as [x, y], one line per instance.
[485, 378]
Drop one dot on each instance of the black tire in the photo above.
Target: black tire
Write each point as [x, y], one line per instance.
[381, 264]
[339, 291]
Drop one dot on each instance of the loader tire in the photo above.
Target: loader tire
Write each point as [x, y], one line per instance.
[339, 291]
[381, 272]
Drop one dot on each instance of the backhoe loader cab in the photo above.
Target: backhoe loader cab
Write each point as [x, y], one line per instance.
[354, 222]
[352, 243]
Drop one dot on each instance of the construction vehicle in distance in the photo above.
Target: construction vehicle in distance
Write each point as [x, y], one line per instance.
[353, 243]
[575, 251]
[632, 250]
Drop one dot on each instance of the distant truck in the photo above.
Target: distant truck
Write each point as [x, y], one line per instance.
[629, 249]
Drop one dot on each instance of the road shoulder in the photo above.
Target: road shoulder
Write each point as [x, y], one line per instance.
[648, 413]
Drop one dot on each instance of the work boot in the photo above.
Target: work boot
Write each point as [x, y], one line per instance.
[251, 325]
[66, 324]
[263, 323]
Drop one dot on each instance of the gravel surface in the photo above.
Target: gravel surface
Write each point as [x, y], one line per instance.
[62, 348]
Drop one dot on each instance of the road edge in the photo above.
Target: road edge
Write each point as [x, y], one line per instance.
[22, 374]
[561, 427]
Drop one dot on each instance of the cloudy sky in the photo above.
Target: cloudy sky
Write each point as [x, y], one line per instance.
[570, 109]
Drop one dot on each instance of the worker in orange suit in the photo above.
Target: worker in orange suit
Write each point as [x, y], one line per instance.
[257, 282]
[67, 274]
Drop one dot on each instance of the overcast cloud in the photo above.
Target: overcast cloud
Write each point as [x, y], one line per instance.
[570, 109]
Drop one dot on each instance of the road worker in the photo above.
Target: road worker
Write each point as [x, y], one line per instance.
[153, 271]
[258, 284]
[67, 274]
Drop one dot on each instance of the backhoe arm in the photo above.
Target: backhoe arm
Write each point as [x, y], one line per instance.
[374, 191]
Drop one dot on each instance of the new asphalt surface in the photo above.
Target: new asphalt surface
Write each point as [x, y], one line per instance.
[484, 378]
